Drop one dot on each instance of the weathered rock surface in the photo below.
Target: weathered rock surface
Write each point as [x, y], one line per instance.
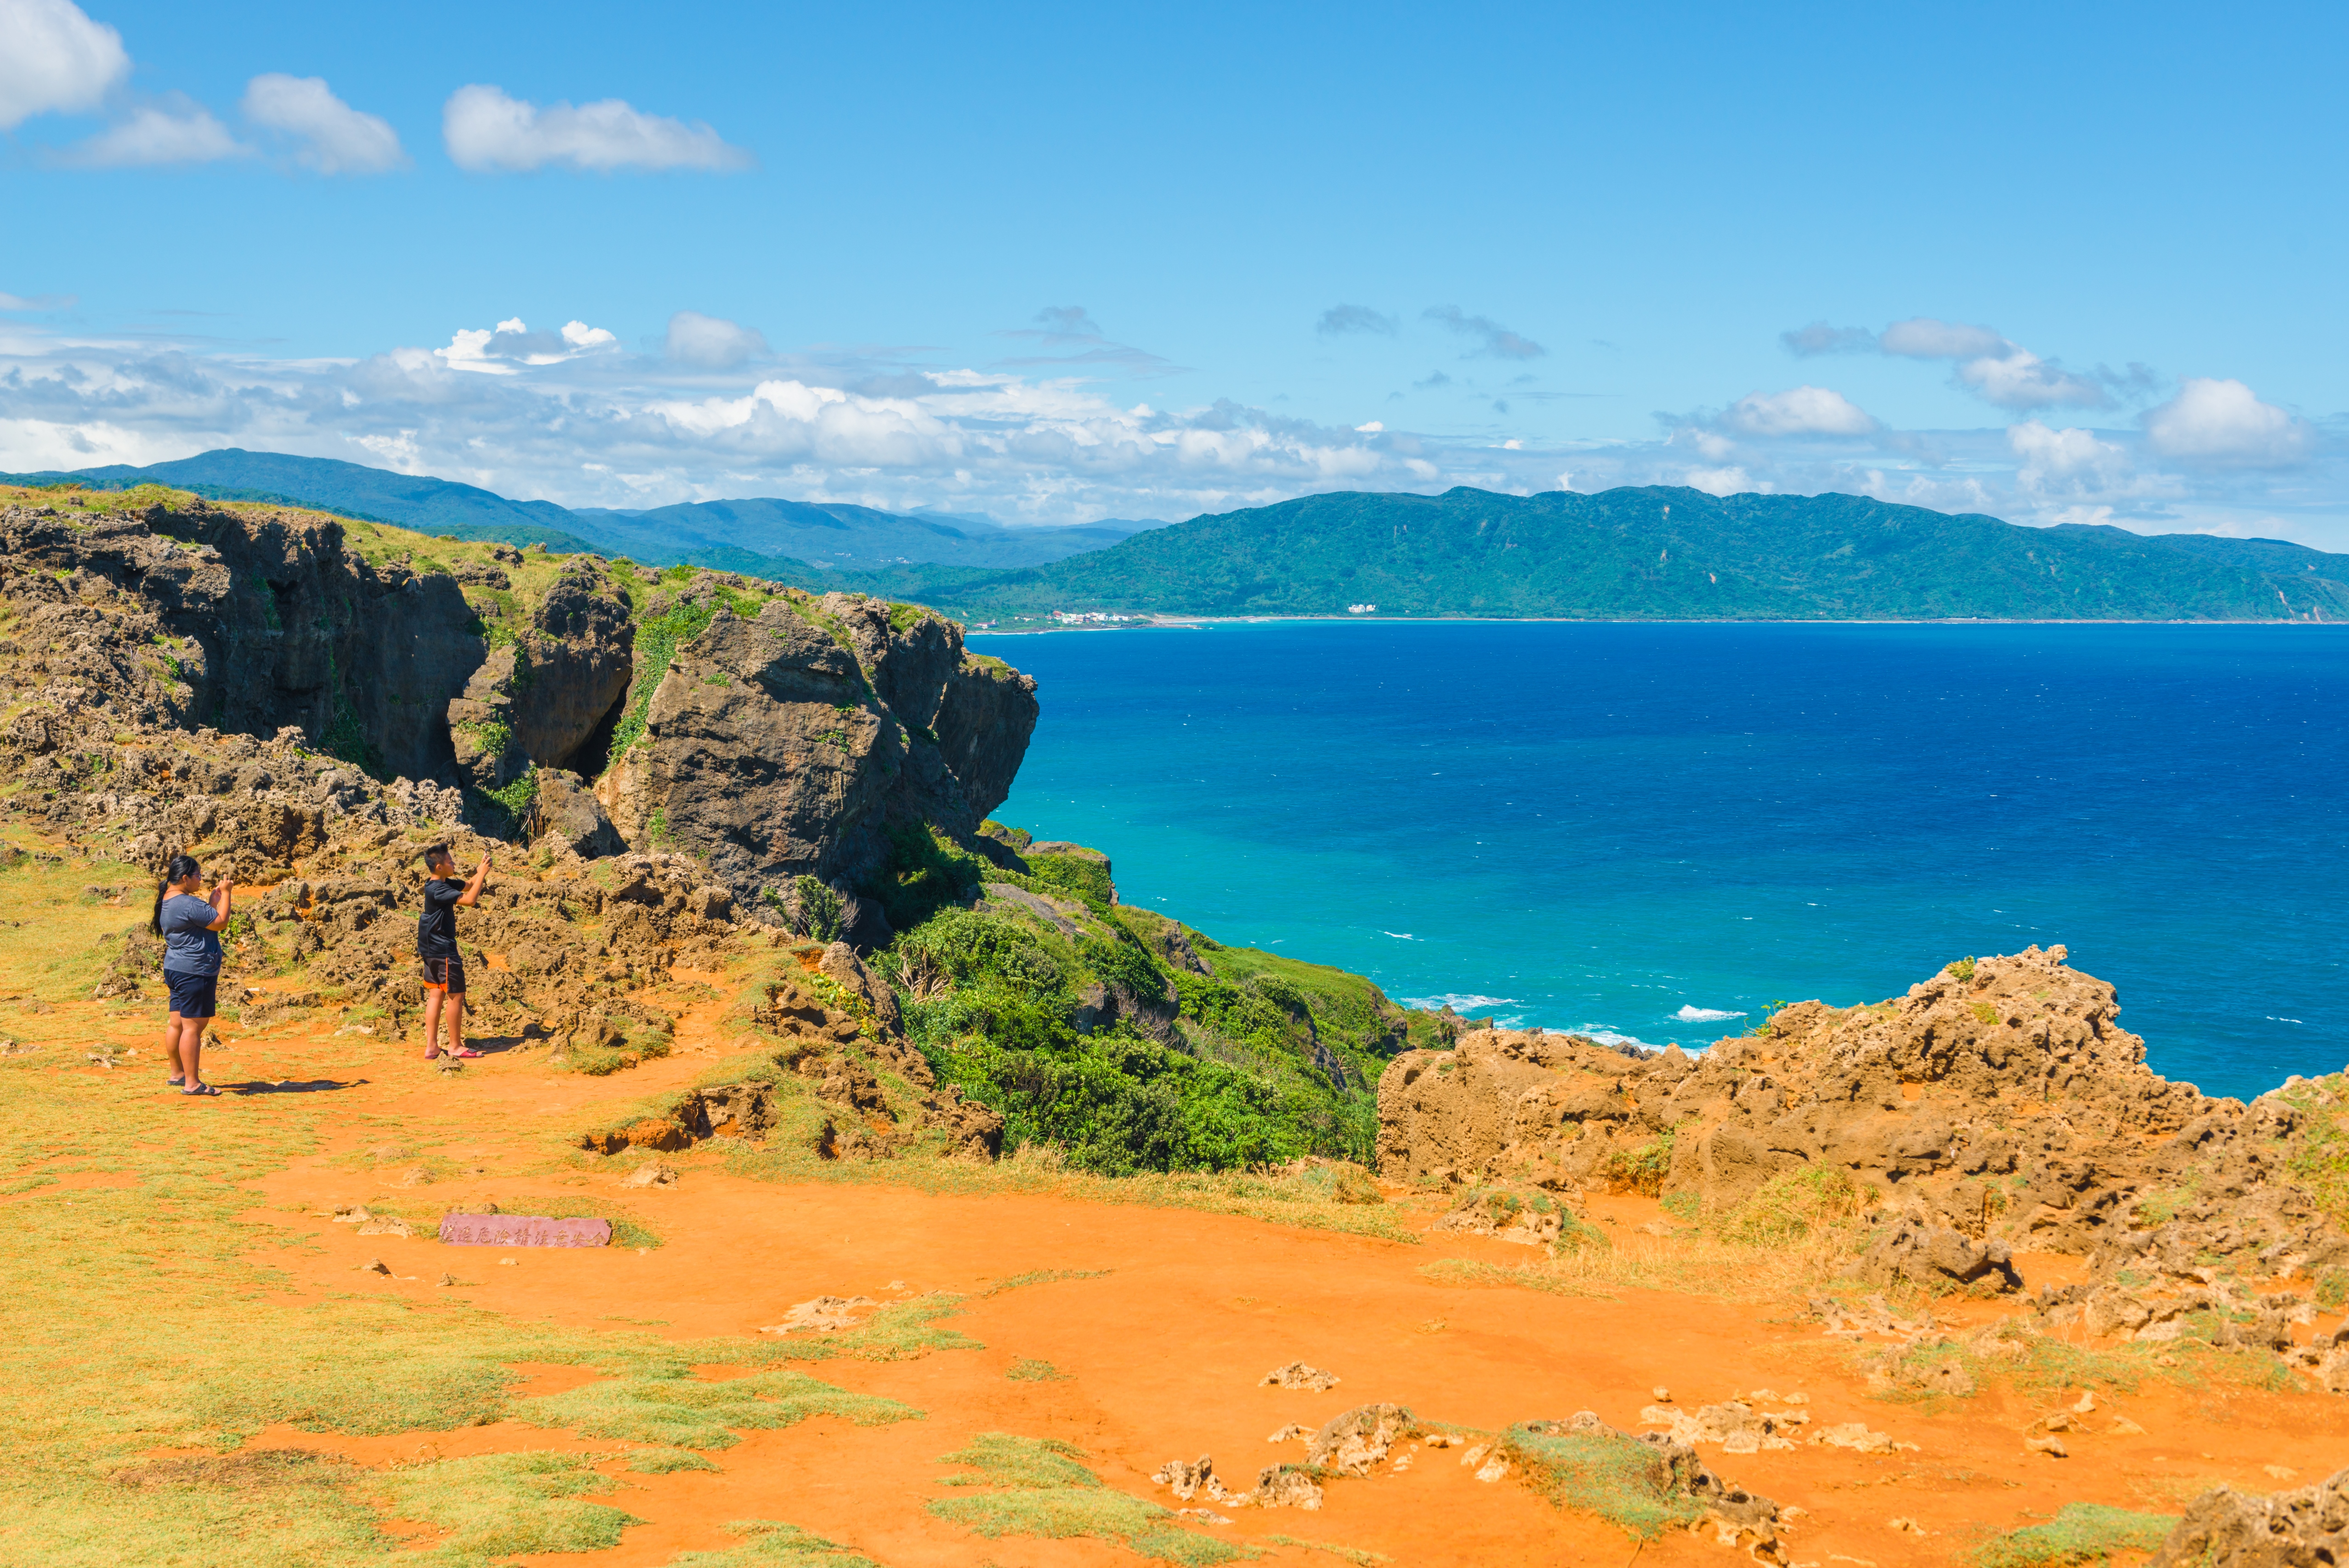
[2227, 1528]
[548, 697]
[769, 750]
[246, 623]
[1998, 1105]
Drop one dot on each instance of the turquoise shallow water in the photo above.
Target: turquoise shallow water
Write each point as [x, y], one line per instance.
[1652, 831]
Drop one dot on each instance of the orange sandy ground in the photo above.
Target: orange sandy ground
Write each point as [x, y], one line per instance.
[1164, 1352]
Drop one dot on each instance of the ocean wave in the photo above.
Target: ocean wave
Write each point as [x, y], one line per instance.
[1459, 1001]
[1401, 936]
[1704, 1014]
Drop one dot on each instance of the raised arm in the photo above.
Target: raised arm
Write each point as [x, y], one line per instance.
[481, 880]
[222, 899]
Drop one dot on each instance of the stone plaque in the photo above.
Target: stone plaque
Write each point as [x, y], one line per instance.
[524, 1231]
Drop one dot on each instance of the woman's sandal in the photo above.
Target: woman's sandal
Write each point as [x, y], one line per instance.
[173, 1083]
[200, 1089]
[467, 1052]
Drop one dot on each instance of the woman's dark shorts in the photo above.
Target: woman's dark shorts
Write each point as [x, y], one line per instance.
[445, 974]
[192, 995]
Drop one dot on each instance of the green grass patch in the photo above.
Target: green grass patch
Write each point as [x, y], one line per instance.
[1025, 1370]
[1035, 1486]
[669, 1462]
[491, 1507]
[683, 1411]
[1621, 1479]
[2080, 1532]
[769, 1545]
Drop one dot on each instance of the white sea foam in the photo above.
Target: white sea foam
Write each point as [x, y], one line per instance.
[1704, 1014]
[1400, 936]
[1459, 1001]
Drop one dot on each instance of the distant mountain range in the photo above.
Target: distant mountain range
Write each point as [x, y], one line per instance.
[1631, 553]
[1652, 554]
[796, 540]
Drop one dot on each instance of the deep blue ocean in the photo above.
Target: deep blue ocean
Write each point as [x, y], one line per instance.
[1654, 831]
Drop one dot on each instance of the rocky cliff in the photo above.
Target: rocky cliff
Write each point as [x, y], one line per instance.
[790, 740]
[771, 734]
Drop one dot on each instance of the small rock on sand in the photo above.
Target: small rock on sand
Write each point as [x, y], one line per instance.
[1664, 1394]
[352, 1214]
[2051, 1446]
[415, 1175]
[1290, 1433]
[447, 1280]
[385, 1225]
[654, 1174]
[1855, 1435]
[1285, 1486]
[374, 1266]
[1297, 1374]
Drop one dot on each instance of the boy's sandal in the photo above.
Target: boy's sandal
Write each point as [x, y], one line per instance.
[200, 1089]
[173, 1083]
[466, 1051]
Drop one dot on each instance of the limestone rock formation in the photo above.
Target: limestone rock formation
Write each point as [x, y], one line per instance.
[2227, 1528]
[546, 698]
[247, 624]
[566, 813]
[1999, 1104]
[769, 749]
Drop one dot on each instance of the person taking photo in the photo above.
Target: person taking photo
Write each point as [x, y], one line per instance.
[436, 946]
[189, 926]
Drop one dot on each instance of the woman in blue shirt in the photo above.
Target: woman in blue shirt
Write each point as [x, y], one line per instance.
[189, 926]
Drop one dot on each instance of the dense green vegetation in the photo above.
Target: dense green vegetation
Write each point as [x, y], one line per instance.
[1072, 1017]
[1650, 554]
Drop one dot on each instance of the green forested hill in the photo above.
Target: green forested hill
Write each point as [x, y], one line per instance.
[1659, 552]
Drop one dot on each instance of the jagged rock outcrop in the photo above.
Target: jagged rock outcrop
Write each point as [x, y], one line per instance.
[246, 623]
[546, 698]
[1998, 1102]
[769, 750]
[2227, 1529]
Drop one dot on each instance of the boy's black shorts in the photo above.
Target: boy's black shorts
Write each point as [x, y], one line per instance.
[445, 974]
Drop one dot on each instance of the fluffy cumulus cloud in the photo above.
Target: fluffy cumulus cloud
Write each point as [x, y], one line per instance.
[328, 135]
[174, 131]
[1797, 411]
[713, 342]
[490, 132]
[55, 60]
[511, 347]
[2224, 423]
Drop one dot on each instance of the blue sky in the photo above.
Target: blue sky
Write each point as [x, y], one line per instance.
[2055, 263]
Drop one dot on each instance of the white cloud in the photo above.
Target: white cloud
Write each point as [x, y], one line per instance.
[506, 349]
[1721, 482]
[17, 302]
[2072, 465]
[1797, 411]
[55, 60]
[489, 132]
[571, 416]
[334, 137]
[175, 130]
[2223, 422]
[1984, 361]
[713, 342]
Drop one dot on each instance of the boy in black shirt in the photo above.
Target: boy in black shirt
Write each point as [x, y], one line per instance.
[436, 945]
